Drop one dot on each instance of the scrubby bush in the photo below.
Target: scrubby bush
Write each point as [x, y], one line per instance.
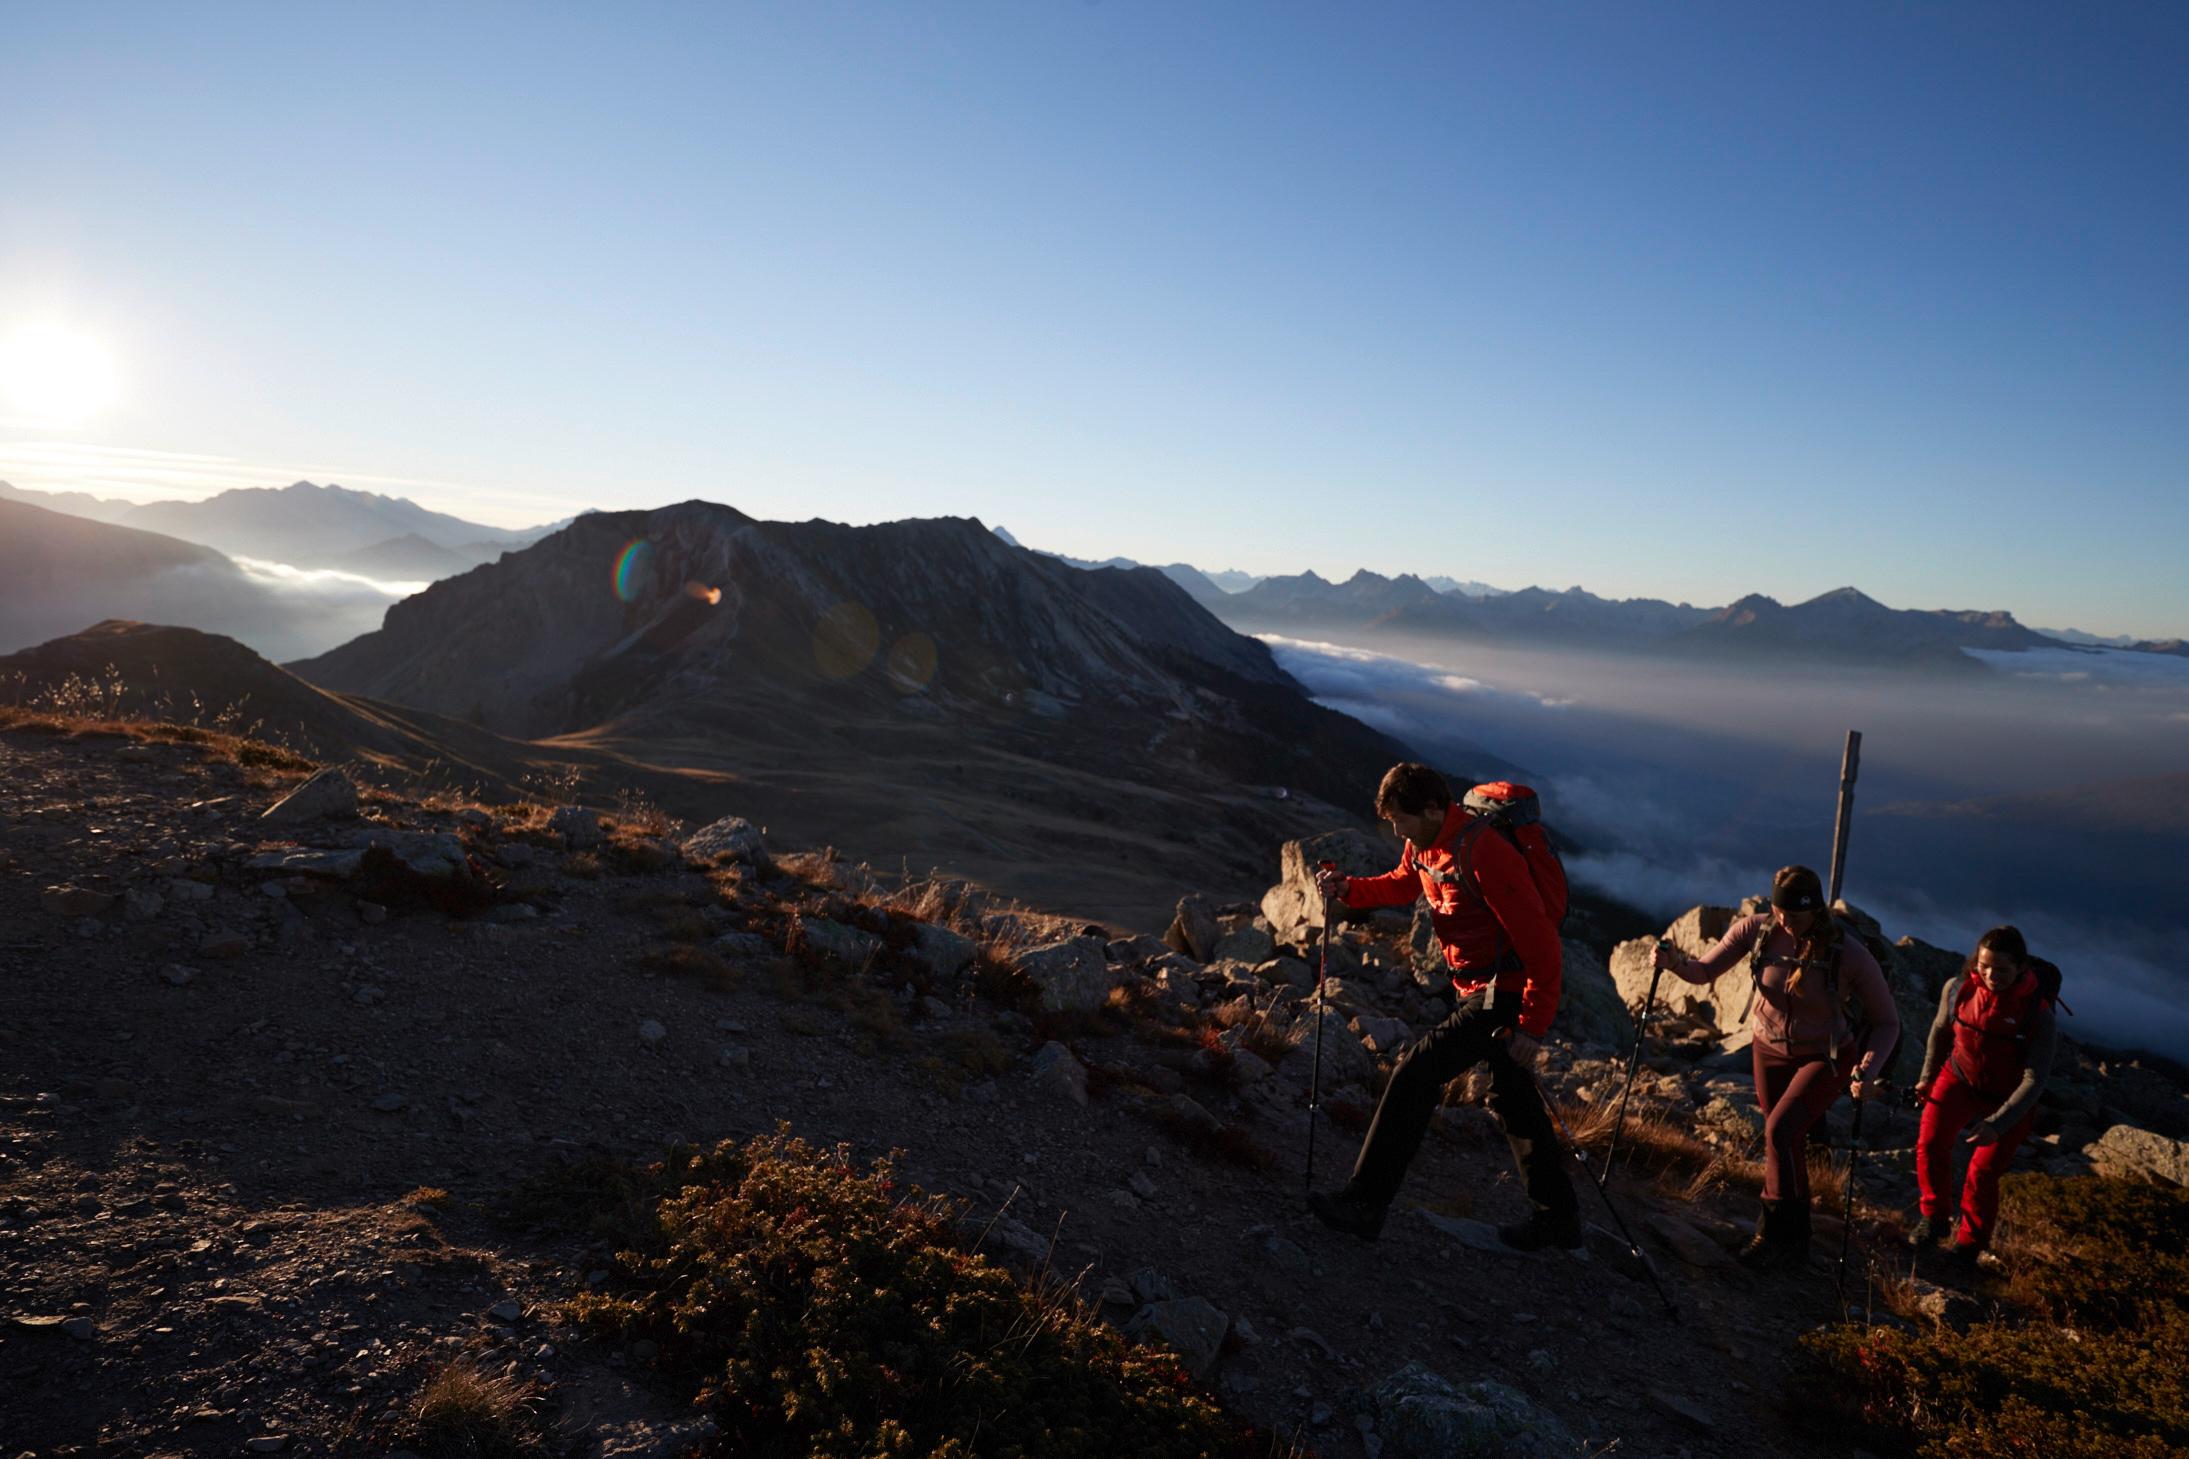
[812, 1308]
[2087, 1359]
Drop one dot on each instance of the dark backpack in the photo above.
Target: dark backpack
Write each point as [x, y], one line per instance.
[1515, 813]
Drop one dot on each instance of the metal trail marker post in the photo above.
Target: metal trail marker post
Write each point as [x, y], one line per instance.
[1850, 762]
[1849, 765]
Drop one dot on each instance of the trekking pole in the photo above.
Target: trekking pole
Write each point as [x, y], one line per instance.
[1634, 1060]
[1573, 1148]
[1315, 1080]
[1847, 1210]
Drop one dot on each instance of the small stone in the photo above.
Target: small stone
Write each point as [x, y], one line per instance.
[1141, 1185]
[177, 975]
[652, 1032]
[734, 1056]
[267, 1443]
[367, 995]
[372, 914]
[389, 1103]
[505, 1311]
[578, 827]
[75, 901]
[83, 1329]
[224, 944]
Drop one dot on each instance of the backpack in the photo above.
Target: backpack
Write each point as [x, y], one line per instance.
[2048, 983]
[1515, 813]
[1858, 1016]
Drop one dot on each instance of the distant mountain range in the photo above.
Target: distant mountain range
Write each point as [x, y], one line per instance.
[305, 525]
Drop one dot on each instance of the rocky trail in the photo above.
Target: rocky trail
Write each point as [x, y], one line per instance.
[269, 1088]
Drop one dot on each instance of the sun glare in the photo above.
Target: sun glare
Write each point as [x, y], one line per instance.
[53, 375]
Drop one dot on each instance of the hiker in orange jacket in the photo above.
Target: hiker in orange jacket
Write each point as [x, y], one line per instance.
[1504, 955]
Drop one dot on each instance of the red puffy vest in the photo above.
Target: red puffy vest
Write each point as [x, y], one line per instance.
[1991, 1033]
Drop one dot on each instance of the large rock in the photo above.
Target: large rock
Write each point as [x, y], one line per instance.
[1194, 930]
[1723, 1004]
[1293, 907]
[731, 838]
[943, 952]
[1249, 944]
[1345, 1060]
[2128, 1153]
[433, 855]
[1590, 1009]
[848, 945]
[1192, 1327]
[1420, 1414]
[1070, 975]
[327, 794]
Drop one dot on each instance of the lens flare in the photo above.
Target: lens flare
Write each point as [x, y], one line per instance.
[634, 569]
[911, 663]
[705, 594]
[846, 640]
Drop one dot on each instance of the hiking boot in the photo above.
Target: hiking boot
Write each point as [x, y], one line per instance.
[1542, 1229]
[1341, 1211]
[1776, 1244]
[1930, 1231]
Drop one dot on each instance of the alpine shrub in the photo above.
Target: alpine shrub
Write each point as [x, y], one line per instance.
[812, 1308]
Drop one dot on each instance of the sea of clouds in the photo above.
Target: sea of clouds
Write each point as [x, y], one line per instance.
[1674, 814]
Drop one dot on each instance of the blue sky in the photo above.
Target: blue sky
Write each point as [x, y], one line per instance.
[1686, 301]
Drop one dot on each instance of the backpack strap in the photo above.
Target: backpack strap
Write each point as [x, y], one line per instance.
[1463, 877]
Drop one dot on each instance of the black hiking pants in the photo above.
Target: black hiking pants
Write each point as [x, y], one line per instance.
[1439, 1056]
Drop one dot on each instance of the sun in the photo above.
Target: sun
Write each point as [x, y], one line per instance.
[52, 375]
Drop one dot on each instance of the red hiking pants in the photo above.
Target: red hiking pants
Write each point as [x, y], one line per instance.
[1951, 1108]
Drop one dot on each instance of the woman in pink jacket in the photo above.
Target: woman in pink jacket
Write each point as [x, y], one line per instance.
[1807, 971]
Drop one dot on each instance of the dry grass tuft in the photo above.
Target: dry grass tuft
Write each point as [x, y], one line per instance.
[212, 743]
[467, 1412]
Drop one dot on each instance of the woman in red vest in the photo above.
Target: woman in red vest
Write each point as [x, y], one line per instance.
[1990, 1052]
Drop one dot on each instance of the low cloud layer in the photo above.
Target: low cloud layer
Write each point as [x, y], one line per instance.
[1674, 814]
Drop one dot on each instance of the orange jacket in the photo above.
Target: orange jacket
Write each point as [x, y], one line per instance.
[1505, 937]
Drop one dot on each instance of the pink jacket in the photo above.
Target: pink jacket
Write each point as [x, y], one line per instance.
[1802, 1025]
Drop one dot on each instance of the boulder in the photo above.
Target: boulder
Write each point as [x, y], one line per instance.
[1723, 1005]
[847, 945]
[1058, 1074]
[1419, 1414]
[327, 794]
[1070, 975]
[942, 952]
[1192, 1327]
[1293, 907]
[731, 838]
[578, 827]
[2128, 1153]
[1249, 944]
[1345, 1059]
[1193, 930]
[1590, 1008]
